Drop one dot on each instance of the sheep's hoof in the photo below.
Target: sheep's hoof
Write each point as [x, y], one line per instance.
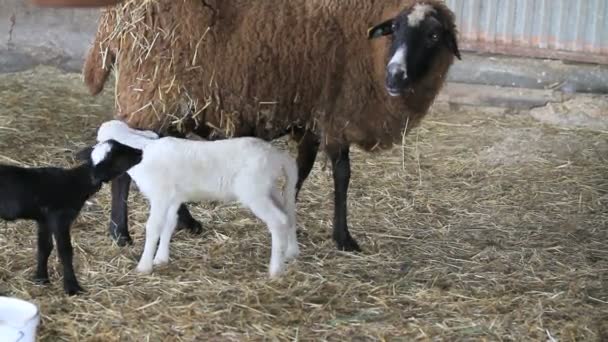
[190, 224]
[73, 289]
[348, 244]
[122, 240]
[42, 280]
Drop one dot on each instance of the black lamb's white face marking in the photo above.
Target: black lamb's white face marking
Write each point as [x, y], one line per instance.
[111, 159]
[417, 37]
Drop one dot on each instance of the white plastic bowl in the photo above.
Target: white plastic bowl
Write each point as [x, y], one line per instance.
[18, 320]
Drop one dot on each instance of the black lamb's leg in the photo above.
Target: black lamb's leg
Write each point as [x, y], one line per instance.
[119, 224]
[339, 156]
[61, 231]
[45, 246]
[308, 146]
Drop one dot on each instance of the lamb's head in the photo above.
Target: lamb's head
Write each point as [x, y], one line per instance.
[419, 35]
[111, 159]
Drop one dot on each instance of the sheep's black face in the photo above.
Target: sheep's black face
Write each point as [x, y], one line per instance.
[418, 36]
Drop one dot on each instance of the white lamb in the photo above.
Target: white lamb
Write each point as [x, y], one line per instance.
[174, 171]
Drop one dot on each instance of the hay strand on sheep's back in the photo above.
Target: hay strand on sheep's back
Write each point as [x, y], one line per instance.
[494, 228]
[140, 37]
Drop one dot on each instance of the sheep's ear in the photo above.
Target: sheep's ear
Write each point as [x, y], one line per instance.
[84, 154]
[382, 29]
[452, 43]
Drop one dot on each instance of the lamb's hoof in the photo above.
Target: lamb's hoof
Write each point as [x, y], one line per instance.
[291, 254]
[73, 289]
[160, 261]
[144, 270]
[275, 271]
[348, 244]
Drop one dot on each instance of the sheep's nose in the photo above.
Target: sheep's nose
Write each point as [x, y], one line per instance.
[396, 81]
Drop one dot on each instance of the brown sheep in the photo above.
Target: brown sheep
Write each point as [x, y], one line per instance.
[310, 68]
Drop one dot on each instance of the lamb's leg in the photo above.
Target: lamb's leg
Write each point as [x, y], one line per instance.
[45, 246]
[60, 226]
[154, 227]
[162, 253]
[341, 172]
[293, 250]
[278, 225]
[119, 225]
[308, 146]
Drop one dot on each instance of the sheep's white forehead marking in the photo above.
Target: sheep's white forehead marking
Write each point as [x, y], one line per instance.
[397, 62]
[100, 152]
[418, 14]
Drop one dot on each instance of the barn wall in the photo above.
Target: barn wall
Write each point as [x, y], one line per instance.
[575, 30]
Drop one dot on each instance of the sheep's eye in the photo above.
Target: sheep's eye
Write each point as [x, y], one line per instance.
[434, 37]
[394, 26]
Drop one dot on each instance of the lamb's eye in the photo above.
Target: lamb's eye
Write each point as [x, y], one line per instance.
[394, 26]
[434, 37]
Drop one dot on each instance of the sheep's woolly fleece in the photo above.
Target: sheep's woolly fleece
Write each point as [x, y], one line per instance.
[216, 68]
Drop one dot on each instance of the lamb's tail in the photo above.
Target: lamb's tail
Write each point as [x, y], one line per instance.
[290, 169]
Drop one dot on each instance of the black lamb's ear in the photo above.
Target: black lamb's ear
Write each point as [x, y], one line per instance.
[382, 29]
[84, 154]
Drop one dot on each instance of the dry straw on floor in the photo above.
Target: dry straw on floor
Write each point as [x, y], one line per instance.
[481, 227]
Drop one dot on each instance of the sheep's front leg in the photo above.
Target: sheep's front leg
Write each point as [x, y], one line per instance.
[186, 221]
[339, 156]
[45, 246]
[162, 254]
[154, 227]
[119, 225]
[60, 226]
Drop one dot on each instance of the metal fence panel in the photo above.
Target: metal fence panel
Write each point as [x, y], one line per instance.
[574, 30]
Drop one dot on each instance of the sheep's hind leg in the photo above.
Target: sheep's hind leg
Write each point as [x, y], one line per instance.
[162, 253]
[341, 173]
[154, 227]
[186, 221]
[119, 225]
[308, 146]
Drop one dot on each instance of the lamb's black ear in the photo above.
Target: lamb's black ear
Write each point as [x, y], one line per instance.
[84, 154]
[452, 43]
[382, 29]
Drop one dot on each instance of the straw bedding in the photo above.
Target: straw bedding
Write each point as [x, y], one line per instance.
[482, 226]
